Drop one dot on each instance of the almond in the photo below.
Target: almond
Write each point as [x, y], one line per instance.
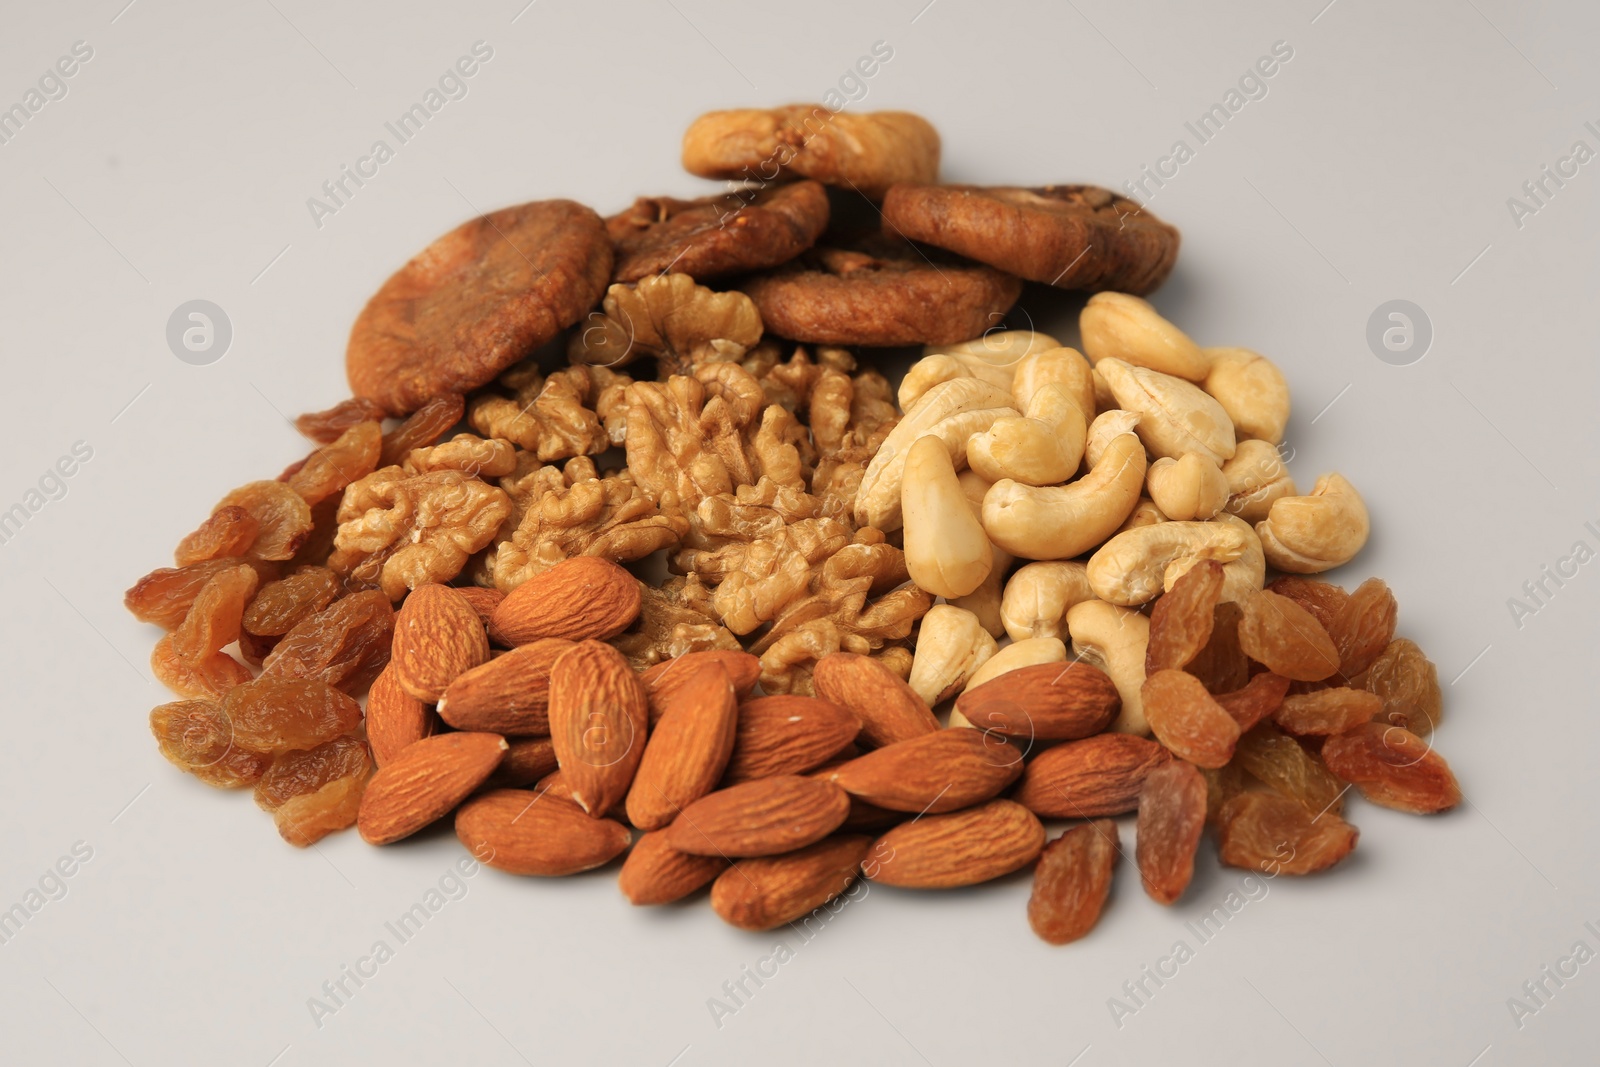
[534, 833]
[437, 636]
[1099, 775]
[557, 785]
[508, 695]
[530, 759]
[395, 718]
[759, 894]
[483, 600]
[580, 599]
[888, 708]
[425, 782]
[598, 721]
[788, 734]
[938, 772]
[662, 680]
[1044, 702]
[657, 873]
[962, 848]
[1072, 881]
[688, 749]
[761, 818]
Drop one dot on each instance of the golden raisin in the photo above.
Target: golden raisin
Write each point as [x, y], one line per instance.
[1270, 833]
[1181, 621]
[1324, 600]
[1172, 814]
[314, 792]
[1280, 634]
[324, 427]
[345, 644]
[164, 596]
[326, 472]
[276, 715]
[305, 820]
[1364, 626]
[1327, 711]
[284, 518]
[278, 606]
[1393, 767]
[1278, 760]
[424, 426]
[1405, 680]
[209, 676]
[196, 736]
[1222, 665]
[1222, 785]
[1257, 700]
[1186, 719]
[1072, 880]
[213, 620]
[230, 531]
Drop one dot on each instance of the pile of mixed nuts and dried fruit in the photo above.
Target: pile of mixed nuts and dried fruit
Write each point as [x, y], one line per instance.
[845, 557]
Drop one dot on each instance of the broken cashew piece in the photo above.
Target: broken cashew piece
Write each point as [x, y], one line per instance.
[994, 357]
[1241, 577]
[946, 551]
[1192, 487]
[1256, 477]
[1062, 521]
[1041, 448]
[1252, 390]
[1129, 569]
[1175, 416]
[1311, 534]
[1104, 429]
[951, 645]
[1119, 326]
[1114, 639]
[1039, 595]
[1065, 367]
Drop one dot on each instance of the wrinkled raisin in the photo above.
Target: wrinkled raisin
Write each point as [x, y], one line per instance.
[1327, 711]
[229, 532]
[253, 648]
[196, 736]
[1072, 881]
[1364, 626]
[210, 675]
[297, 773]
[1323, 600]
[1278, 760]
[1222, 785]
[424, 426]
[318, 546]
[1172, 813]
[1284, 637]
[326, 472]
[324, 427]
[1270, 833]
[345, 644]
[213, 620]
[164, 596]
[281, 714]
[1405, 680]
[278, 606]
[1186, 719]
[1181, 621]
[1393, 767]
[1222, 665]
[305, 820]
[1259, 698]
[284, 518]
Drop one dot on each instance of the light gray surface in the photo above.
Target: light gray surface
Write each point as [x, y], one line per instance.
[1377, 167]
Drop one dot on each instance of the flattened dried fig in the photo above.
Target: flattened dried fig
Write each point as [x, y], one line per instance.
[751, 229]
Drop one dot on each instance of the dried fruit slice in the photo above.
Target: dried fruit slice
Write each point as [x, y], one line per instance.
[1181, 621]
[1186, 719]
[961, 848]
[327, 471]
[1100, 775]
[760, 894]
[1172, 814]
[280, 714]
[717, 235]
[1324, 600]
[657, 873]
[1393, 767]
[422, 427]
[520, 832]
[1280, 762]
[1286, 638]
[1273, 834]
[1327, 711]
[230, 531]
[164, 596]
[766, 817]
[425, 783]
[934, 773]
[1072, 881]
[196, 736]
[305, 820]
[1407, 683]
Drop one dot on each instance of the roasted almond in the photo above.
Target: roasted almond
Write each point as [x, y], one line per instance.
[759, 894]
[529, 759]
[1072, 881]
[934, 773]
[1043, 702]
[598, 721]
[888, 708]
[557, 785]
[395, 718]
[657, 873]
[788, 734]
[580, 599]
[534, 833]
[961, 848]
[508, 695]
[437, 636]
[1100, 775]
[687, 751]
[483, 600]
[761, 818]
[424, 782]
[664, 679]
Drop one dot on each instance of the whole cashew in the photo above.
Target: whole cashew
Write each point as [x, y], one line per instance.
[1129, 569]
[1241, 577]
[994, 357]
[1017, 654]
[1059, 522]
[1175, 416]
[1119, 326]
[1310, 534]
[1042, 448]
[1057, 366]
[1144, 513]
[1114, 639]
[951, 645]
[984, 601]
[946, 550]
[1256, 477]
[1104, 399]
[1192, 487]
[1106, 426]
[1038, 596]
[1252, 390]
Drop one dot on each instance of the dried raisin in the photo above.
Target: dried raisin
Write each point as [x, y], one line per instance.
[1186, 719]
[345, 644]
[1278, 760]
[1222, 665]
[1323, 600]
[1181, 621]
[1273, 834]
[164, 596]
[213, 620]
[1393, 767]
[324, 427]
[1172, 814]
[209, 676]
[278, 606]
[283, 516]
[424, 426]
[1327, 711]
[1405, 680]
[229, 532]
[326, 472]
[314, 792]
[305, 820]
[276, 715]
[1364, 626]
[1259, 698]
[196, 736]
[1072, 880]
[1284, 637]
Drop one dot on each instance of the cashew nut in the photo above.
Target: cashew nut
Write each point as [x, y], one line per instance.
[1256, 477]
[1056, 366]
[953, 411]
[1144, 513]
[1017, 654]
[1106, 426]
[1175, 416]
[1114, 640]
[1042, 448]
[951, 645]
[1059, 522]
[1038, 596]
[994, 357]
[1192, 487]
[1252, 390]
[1119, 326]
[1310, 534]
[946, 550]
[1129, 568]
[1103, 397]
[984, 601]
[1241, 577]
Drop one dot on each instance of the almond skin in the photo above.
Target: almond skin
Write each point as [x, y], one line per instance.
[765, 817]
[962, 848]
[580, 599]
[1044, 702]
[1072, 881]
[598, 721]
[510, 694]
[687, 751]
[482, 600]
[437, 636]
[530, 759]
[788, 734]
[934, 773]
[395, 718]
[657, 873]
[759, 894]
[1099, 775]
[424, 782]
[663, 680]
[521, 832]
[888, 708]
